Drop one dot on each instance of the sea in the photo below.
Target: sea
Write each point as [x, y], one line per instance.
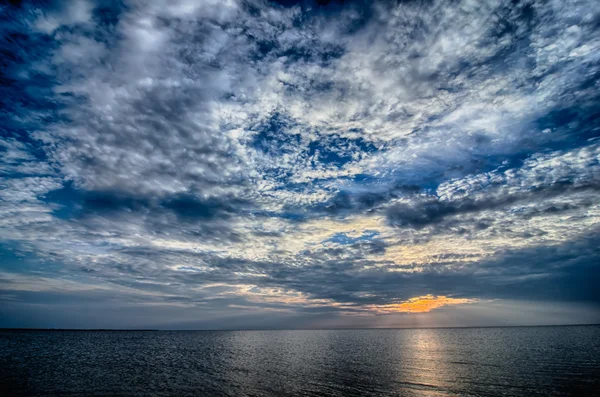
[511, 361]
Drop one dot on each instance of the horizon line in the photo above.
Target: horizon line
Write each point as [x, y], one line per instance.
[2, 329]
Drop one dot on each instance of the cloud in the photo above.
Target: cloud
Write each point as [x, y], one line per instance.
[306, 159]
[571, 175]
[74, 12]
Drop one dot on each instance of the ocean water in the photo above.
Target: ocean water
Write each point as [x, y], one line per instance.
[529, 361]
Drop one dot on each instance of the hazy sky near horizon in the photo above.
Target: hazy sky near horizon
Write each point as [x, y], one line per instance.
[281, 164]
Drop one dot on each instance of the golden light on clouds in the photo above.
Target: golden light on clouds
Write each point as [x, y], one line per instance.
[422, 304]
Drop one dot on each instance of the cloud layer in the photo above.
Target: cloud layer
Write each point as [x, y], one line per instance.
[224, 160]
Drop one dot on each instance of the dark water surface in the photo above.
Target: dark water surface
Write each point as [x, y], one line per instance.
[544, 361]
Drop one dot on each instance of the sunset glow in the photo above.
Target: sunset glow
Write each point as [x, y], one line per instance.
[423, 304]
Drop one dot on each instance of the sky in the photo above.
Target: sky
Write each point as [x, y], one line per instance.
[224, 164]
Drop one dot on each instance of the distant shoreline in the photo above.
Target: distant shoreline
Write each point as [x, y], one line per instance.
[281, 329]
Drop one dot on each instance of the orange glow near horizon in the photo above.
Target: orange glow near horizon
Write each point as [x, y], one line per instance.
[422, 304]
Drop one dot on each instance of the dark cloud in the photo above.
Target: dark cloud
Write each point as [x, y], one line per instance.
[430, 211]
[563, 272]
[76, 203]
